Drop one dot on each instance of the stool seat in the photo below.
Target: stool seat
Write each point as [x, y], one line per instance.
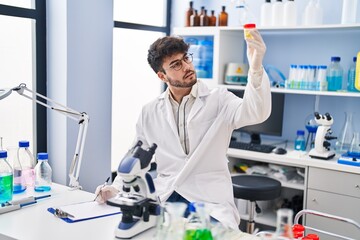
[255, 188]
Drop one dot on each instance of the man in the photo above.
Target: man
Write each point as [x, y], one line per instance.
[192, 127]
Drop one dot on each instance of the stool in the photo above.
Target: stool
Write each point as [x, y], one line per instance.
[255, 188]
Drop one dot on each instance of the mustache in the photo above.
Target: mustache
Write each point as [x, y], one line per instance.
[188, 73]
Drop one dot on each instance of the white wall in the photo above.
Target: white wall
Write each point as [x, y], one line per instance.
[79, 76]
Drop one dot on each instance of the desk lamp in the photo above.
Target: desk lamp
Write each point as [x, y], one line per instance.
[81, 117]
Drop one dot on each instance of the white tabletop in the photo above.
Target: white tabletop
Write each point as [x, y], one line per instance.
[35, 222]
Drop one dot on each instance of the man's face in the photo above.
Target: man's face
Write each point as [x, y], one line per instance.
[179, 71]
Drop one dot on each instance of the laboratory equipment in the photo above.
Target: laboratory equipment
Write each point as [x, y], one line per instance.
[352, 157]
[277, 13]
[265, 13]
[82, 118]
[351, 77]
[138, 201]
[188, 14]
[23, 167]
[19, 185]
[6, 178]
[175, 220]
[334, 74]
[284, 222]
[43, 174]
[248, 27]
[311, 126]
[348, 14]
[198, 222]
[323, 134]
[357, 73]
[223, 17]
[236, 73]
[300, 144]
[343, 142]
[212, 19]
[290, 13]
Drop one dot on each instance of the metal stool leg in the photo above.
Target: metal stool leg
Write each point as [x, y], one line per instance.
[250, 226]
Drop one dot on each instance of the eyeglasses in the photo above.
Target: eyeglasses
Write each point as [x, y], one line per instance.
[178, 64]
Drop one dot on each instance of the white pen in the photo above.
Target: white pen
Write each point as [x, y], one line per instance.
[107, 180]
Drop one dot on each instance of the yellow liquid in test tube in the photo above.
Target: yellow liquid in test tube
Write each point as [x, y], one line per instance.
[357, 72]
[247, 29]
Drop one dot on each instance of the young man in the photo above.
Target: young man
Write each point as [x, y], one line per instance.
[192, 127]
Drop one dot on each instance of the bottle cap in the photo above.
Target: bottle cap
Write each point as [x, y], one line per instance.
[300, 132]
[335, 59]
[354, 59]
[42, 156]
[3, 154]
[298, 234]
[249, 25]
[298, 227]
[192, 207]
[312, 236]
[24, 144]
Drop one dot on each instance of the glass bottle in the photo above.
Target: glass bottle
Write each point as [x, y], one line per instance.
[223, 17]
[334, 74]
[344, 138]
[351, 77]
[284, 220]
[212, 19]
[23, 165]
[198, 223]
[175, 212]
[204, 19]
[188, 14]
[300, 140]
[195, 19]
[43, 174]
[6, 178]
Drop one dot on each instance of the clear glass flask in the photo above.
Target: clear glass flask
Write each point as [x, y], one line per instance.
[355, 145]
[345, 136]
[175, 219]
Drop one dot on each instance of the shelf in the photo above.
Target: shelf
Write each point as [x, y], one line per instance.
[302, 92]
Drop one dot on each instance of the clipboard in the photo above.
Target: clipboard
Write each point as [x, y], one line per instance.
[86, 211]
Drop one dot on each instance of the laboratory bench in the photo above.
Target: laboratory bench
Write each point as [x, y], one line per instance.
[328, 187]
[35, 222]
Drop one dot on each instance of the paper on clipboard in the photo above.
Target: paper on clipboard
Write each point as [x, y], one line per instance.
[88, 210]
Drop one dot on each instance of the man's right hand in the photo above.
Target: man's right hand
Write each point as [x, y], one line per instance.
[104, 193]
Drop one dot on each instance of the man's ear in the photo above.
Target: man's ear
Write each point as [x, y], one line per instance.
[161, 75]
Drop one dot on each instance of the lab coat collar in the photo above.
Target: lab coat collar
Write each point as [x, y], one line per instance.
[200, 90]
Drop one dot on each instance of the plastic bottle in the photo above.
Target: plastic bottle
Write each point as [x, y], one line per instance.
[351, 77]
[290, 13]
[334, 74]
[321, 82]
[265, 14]
[25, 172]
[212, 19]
[277, 13]
[188, 14]
[6, 178]
[349, 8]
[247, 30]
[195, 19]
[300, 140]
[313, 13]
[43, 174]
[223, 17]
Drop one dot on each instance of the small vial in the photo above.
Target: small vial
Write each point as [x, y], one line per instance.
[247, 30]
[300, 140]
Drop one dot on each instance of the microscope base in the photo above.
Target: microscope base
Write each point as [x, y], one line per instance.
[325, 156]
[125, 231]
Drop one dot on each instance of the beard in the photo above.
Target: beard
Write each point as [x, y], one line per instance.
[184, 83]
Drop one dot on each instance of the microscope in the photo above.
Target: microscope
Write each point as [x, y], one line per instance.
[138, 201]
[323, 132]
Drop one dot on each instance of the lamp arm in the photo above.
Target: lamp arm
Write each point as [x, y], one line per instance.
[83, 120]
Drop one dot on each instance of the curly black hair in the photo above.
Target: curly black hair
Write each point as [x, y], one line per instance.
[165, 47]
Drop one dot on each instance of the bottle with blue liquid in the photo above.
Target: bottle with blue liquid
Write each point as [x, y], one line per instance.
[6, 178]
[334, 75]
[300, 143]
[351, 77]
[43, 174]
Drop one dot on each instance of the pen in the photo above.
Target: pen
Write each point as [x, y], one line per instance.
[107, 180]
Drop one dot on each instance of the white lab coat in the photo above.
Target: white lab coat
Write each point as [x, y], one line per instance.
[202, 175]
